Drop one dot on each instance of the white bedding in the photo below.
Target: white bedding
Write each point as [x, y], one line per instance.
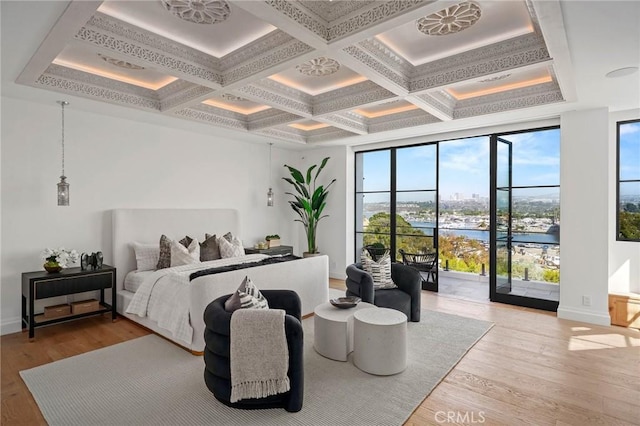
[163, 295]
[308, 277]
[134, 280]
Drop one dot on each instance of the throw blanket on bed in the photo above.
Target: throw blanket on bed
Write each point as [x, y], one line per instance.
[268, 261]
[164, 296]
[259, 354]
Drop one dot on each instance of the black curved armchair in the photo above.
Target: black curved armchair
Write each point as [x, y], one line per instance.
[217, 372]
[405, 298]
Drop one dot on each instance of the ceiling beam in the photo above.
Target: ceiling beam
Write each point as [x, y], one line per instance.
[532, 96]
[505, 56]
[268, 93]
[270, 118]
[552, 27]
[430, 103]
[311, 31]
[73, 18]
[187, 95]
[374, 70]
[348, 98]
[111, 35]
[381, 17]
[345, 122]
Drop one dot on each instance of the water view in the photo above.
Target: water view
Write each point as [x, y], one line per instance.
[460, 191]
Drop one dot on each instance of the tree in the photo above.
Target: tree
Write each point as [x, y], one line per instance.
[631, 208]
[551, 275]
[630, 225]
[408, 238]
[462, 253]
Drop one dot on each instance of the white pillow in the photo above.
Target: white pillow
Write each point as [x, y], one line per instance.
[147, 256]
[181, 255]
[231, 248]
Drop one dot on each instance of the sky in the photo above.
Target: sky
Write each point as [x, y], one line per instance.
[464, 166]
[630, 158]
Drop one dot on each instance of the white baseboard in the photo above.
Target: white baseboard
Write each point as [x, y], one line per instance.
[11, 325]
[337, 275]
[590, 317]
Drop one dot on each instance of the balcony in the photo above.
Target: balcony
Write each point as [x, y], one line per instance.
[472, 286]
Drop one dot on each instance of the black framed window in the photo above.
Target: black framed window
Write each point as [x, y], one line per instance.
[396, 199]
[628, 191]
[435, 196]
[373, 199]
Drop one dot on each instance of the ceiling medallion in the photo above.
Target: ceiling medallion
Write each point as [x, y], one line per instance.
[319, 67]
[496, 78]
[120, 63]
[451, 20]
[199, 11]
[232, 98]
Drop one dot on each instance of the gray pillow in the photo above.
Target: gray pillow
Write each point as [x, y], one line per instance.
[209, 248]
[164, 261]
[186, 241]
[247, 296]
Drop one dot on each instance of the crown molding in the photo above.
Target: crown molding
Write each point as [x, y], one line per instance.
[79, 83]
[500, 57]
[511, 100]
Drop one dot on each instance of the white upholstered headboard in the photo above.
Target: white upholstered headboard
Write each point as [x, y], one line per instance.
[147, 225]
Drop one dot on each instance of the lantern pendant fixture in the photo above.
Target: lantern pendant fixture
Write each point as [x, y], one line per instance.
[270, 192]
[63, 185]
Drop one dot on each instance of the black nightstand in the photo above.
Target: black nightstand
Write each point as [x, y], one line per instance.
[42, 284]
[270, 251]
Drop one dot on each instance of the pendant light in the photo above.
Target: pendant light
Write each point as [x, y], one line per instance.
[270, 193]
[63, 186]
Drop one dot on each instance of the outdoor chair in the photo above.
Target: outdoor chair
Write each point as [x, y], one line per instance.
[423, 262]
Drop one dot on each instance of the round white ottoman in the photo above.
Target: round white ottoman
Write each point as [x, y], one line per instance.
[332, 330]
[380, 341]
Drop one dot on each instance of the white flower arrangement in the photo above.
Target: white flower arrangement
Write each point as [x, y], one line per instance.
[60, 256]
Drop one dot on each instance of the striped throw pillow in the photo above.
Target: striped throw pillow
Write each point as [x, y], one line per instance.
[379, 270]
[247, 296]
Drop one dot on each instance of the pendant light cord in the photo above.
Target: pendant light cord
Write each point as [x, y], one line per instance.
[62, 103]
[270, 145]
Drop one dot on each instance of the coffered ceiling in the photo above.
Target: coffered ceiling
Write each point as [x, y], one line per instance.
[306, 71]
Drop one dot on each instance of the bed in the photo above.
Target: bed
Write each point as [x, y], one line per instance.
[309, 277]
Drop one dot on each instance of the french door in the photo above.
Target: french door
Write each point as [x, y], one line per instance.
[501, 219]
[502, 236]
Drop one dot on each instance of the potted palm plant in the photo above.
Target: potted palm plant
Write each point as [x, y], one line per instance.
[309, 201]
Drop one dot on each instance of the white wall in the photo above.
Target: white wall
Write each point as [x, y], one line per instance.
[624, 256]
[332, 231]
[584, 198]
[113, 162]
[118, 163]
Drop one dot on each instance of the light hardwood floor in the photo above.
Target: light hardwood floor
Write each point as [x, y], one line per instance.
[530, 368]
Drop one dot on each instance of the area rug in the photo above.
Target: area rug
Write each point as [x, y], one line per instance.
[149, 381]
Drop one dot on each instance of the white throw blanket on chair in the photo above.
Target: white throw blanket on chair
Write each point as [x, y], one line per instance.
[259, 354]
